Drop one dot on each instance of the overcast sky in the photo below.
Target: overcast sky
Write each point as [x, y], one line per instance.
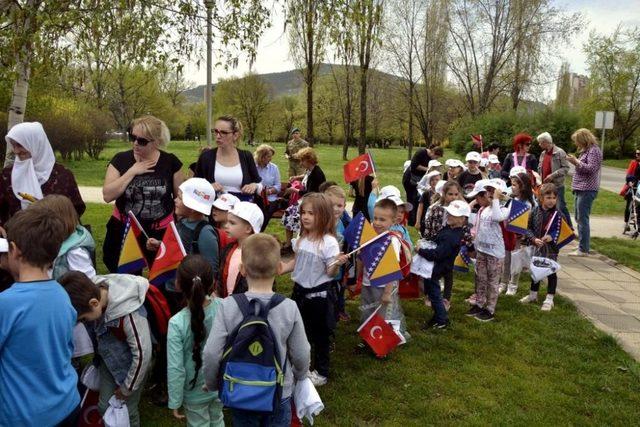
[602, 16]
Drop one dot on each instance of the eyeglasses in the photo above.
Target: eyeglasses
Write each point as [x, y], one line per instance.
[140, 140]
[637, 154]
[222, 132]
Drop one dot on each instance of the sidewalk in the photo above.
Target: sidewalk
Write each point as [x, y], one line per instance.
[605, 292]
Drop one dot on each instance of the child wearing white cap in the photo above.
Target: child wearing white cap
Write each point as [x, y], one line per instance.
[219, 214]
[494, 166]
[244, 219]
[427, 195]
[454, 168]
[468, 178]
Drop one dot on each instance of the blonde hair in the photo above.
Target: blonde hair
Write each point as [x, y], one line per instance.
[153, 128]
[583, 138]
[262, 151]
[63, 208]
[335, 191]
[307, 154]
[260, 256]
[236, 125]
[323, 220]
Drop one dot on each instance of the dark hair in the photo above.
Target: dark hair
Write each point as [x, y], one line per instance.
[195, 278]
[38, 232]
[493, 146]
[80, 289]
[526, 192]
[326, 185]
[387, 204]
[548, 188]
[437, 150]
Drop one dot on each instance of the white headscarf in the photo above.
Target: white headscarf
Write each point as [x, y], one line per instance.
[27, 176]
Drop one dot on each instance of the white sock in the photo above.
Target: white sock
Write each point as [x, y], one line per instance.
[549, 297]
[533, 295]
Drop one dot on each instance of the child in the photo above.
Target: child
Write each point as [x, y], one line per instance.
[38, 382]
[520, 190]
[188, 332]
[539, 220]
[448, 242]
[454, 169]
[494, 166]
[260, 265]
[317, 261]
[468, 178]
[393, 193]
[78, 249]
[431, 179]
[435, 219]
[244, 220]
[489, 245]
[384, 217]
[219, 214]
[115, 302]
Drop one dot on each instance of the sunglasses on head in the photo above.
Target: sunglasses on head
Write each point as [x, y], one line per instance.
[140, 140]
[222, 132]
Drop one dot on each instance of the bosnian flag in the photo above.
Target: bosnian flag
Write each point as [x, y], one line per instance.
[169, 257]
[131, 256]
[560, 231]
[381, 262]
[358, 167]
[358, 232]
[380, 336]
[518, 220]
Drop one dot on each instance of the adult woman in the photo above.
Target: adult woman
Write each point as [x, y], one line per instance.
[270, 175]
[520, 156]
[143, 180]
[631, 181]
[34, 173]
[415, 172]
[227, 168]
[585, 185]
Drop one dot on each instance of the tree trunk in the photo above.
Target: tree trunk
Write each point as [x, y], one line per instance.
[362, 143]
[410, 147]
[311, 57]
[310, 137]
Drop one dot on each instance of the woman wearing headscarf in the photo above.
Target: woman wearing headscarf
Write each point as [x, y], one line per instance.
[34, 173]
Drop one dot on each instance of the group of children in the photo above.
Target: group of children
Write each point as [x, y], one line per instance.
[228, 256]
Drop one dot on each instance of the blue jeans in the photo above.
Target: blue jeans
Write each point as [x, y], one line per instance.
[280, 418]
[583, 202]
[432, 289]
[562, 206]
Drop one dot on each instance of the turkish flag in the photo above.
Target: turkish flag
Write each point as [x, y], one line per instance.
[168, 258]
[89, 414]
[380, 336]
[358, 167]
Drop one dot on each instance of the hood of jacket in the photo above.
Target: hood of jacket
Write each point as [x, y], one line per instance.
[126, 294]
[79, 238]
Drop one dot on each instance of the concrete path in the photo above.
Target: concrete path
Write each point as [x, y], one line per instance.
[606, 293]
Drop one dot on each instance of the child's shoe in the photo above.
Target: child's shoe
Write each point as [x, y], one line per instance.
[475, 310]
[528, 300]
[502, 288]
[547, 306]
[440, 326]
[317, 379]
[485, 316]
[512, 289]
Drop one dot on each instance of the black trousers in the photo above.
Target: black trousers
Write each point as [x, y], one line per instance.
[552, 283]
[315, 313]
[412, 197]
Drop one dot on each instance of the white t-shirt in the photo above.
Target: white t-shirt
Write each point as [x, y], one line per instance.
[229, 177]
[396, 245]
[312, 259]
[488, 234]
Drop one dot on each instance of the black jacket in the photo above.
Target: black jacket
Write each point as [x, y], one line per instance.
[448, 242]
[206, 166]
[316, 178]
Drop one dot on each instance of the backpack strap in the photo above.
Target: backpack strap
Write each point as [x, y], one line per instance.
[275, 300]
[196, 235]
[243, 304]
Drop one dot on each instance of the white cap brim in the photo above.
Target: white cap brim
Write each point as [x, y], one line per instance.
[4, 245]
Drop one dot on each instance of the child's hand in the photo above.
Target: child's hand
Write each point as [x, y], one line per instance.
[341, 259]
[375, 183]
[177, 415]
[153, 244]
[547, 238]
[538, 242]
[497, 193]
[386, 298]
[119, 394]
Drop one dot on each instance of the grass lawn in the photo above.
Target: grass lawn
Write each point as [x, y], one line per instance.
[617, 163]
[624, 251]
[527, 367]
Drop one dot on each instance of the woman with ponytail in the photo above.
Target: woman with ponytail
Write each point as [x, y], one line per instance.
[188, 332]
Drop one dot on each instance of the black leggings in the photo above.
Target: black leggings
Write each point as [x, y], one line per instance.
[552, 283]
[627, 208]
[448, 285]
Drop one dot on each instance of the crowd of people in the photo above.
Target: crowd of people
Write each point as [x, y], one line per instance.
[55, 308]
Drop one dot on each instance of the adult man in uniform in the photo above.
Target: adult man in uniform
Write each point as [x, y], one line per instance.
[296, 144]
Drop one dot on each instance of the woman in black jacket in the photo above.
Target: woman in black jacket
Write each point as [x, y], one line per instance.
[227, 168]
[313, 176]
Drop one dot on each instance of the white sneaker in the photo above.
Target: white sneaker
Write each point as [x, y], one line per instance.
[512, 289]
[317, 379]
[578, 252]
[547, 305]
[502, 288]
[527, 300]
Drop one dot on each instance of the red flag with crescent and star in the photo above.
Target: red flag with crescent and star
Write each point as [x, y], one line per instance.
[168, 258]
[380, 336]
[358, 167]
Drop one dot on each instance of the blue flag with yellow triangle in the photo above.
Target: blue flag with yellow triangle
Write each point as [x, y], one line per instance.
[381, 261]
[358, 231]
[131, 256]
[560, 231]
[518, 220]
[462, 261]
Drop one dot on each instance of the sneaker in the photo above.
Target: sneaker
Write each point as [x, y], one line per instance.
[547, 306]
[447, 304]
[512, 289]
[429, 324]
[485, 316]
[317, 379]
[475, 310]
[527, 300]
[579, 253]
[502, 288]
[440, 326]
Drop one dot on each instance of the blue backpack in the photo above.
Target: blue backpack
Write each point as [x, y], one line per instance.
[251, 377]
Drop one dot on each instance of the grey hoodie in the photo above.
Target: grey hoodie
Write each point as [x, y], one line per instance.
[124, 340]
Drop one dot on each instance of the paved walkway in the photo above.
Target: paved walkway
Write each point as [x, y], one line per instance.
[606, 293]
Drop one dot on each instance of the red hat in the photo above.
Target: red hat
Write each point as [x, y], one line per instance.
[520, 139]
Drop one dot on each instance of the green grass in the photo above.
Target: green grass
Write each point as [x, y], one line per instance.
[606, 203]
[624, 251]
[527, 367]
[617, 163]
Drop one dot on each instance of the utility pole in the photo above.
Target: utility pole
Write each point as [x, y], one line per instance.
[209, 6]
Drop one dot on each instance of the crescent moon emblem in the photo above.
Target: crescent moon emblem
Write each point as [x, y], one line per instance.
[373, 330]
[363, 166]
[162, 251]
[87, 412]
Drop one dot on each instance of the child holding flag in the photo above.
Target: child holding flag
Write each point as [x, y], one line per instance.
[541, 221]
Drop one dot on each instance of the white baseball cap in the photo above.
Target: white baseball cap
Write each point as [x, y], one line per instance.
[433, 164]
[198, 194]
[494, 159]
[225, 202]
[472, 156]
[454, 163]
[484, 162]
[398, 201]
[387, 191]
[517, 170]
[251, 213]
[432, 174]
[440, 186]
[496, 183]
[458, 208]
[478, 187]
[4, 245]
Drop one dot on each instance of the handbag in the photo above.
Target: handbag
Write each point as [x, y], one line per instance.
[541, 266]
[520, 259]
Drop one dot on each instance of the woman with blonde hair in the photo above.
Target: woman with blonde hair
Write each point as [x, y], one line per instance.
[143, 180]
[586, 182]
[270, 175]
